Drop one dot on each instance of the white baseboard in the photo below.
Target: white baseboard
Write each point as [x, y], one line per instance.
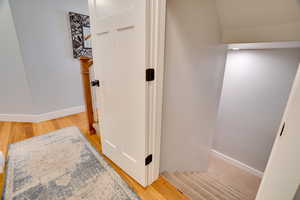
[59, 113]
[17, 118]
[237, 163]
[41, 117]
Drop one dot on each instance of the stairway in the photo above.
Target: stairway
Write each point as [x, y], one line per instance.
[204, 186]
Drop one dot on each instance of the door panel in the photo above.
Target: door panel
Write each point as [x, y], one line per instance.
[282, 175]
[120, 64]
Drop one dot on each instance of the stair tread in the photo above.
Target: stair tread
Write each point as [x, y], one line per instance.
[200, 186]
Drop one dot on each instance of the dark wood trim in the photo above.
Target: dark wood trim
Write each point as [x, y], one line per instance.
[86, 63]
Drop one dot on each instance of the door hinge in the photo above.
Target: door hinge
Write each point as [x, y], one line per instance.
[282, 129]
[150, 74]
[95, 83]
[148, 159]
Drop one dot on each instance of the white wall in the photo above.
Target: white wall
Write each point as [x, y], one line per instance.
[44, 35]
[15, 94]
[297, 196]
[255, 92]
[193, 80]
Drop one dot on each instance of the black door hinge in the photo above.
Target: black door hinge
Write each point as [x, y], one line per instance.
[282, 129]
[148, 160]
[150, 74]
[95, 83]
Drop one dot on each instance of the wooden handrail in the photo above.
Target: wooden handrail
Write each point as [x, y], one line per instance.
[86, 63]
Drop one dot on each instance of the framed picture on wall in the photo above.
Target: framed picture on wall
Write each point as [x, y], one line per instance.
[81, 35]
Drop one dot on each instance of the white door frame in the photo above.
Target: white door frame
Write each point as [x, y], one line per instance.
[156, 12]
[156, 56]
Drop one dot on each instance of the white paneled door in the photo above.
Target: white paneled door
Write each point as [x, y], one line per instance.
[127, 40]
[282, 176]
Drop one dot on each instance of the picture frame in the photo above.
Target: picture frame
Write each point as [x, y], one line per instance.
[81, 35]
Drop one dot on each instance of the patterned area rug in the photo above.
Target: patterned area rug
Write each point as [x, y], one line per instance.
[61, 165]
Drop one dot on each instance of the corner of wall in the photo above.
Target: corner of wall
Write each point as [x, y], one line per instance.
[28, 82]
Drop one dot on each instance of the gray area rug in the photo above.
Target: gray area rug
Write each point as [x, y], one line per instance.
[61, 165]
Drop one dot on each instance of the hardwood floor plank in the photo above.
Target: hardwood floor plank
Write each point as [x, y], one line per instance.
[29, 132]
[167, 190]
[5, 134]
[11, 135]
[11, 132]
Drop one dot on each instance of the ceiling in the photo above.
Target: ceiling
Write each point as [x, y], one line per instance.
[260, 17]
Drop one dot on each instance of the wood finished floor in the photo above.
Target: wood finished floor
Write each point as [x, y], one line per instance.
[11, 132]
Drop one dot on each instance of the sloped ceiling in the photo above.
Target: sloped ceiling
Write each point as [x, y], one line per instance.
[259, 20]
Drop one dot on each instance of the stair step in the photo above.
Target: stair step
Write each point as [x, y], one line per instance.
[183, 187]
[203, 186]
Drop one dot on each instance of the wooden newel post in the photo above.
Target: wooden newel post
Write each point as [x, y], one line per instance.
[86, 63]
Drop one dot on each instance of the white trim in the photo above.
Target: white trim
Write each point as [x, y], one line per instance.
[156, 41]
[59, 113]
[238, 163]
[17, 118]
[265, 45]
[41, 117]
